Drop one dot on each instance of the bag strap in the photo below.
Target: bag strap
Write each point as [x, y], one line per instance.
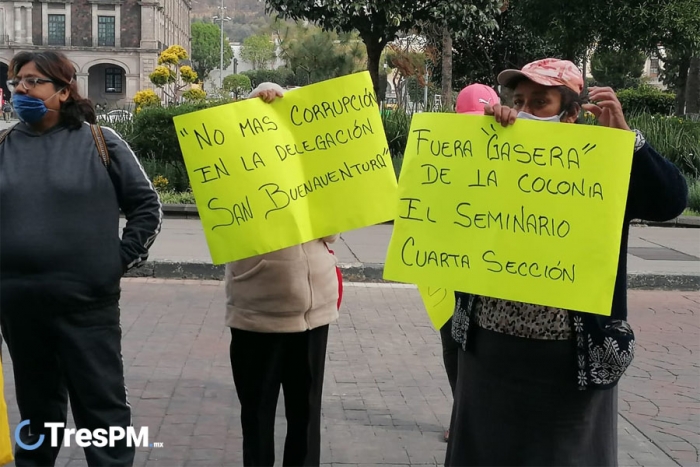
[100, 143]
[5, 132]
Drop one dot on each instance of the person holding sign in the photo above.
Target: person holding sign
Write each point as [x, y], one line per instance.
[63, 183]
[279, 307]
[537, 385]
[471, 101]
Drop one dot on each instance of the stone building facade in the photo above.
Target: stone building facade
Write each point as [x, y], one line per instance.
[114, 44]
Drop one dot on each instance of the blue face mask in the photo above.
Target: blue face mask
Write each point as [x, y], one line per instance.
[553, 119]
[29, 109]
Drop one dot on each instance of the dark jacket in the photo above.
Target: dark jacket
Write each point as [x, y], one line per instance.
[59, 218]
[657, 192]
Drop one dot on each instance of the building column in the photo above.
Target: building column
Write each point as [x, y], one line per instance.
[132, 86]
[94, 25]
[44, 23]
[148, 26]
[83, 80]
[69, 27]
[18, 24]
[28, 39]
[118, 26]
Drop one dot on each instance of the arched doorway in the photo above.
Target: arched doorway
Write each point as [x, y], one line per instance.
[107, 86]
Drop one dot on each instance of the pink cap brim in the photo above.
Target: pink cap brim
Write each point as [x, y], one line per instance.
[507, 76]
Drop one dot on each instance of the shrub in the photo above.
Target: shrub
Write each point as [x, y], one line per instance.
[396, 126]
[694, 194]
[675, 138]
[173, 197]
[646, 99]
[153, 132]
[194, 95]
[166, 176]
[237, 84]
[146, 98]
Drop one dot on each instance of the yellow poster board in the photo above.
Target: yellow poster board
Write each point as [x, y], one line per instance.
[530, 213]
[439, 304]
[269, 176]
[5, 439]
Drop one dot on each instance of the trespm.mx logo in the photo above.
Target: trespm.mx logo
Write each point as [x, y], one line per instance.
[83, 437]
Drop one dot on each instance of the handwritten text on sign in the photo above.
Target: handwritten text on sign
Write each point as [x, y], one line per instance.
[530, 213]
[269, 176]
[439, 304]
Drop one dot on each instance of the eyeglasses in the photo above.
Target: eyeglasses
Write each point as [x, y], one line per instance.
[27, 83]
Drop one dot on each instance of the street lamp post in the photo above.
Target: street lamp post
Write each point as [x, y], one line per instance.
[221, 17]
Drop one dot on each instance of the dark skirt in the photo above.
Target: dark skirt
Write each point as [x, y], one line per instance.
[517, 404]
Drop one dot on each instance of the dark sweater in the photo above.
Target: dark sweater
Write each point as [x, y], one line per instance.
[657, 192]
[59, 218]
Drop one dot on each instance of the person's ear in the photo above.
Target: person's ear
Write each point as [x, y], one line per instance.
[64, 94]
[571, 115]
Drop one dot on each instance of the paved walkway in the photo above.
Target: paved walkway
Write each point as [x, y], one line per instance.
[652, 250]
[386, 396]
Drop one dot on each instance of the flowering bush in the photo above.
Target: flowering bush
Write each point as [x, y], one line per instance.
[162, 75]
[160, 182]
[146, 98]
[194, 95]
[168, 58]
[187, 74]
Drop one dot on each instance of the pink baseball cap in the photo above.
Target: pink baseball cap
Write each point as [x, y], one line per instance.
[473, 98]
[547, 72]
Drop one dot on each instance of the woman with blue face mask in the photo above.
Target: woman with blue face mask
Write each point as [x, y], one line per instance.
[63, 183]
[538, 385]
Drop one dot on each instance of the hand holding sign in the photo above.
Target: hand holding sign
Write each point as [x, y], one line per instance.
[269, 176]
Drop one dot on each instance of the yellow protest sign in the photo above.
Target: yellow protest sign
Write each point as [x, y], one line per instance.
[531, 213]
[5, 438]
[439, 304]
[269, 176]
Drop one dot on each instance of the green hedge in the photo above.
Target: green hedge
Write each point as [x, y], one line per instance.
[675, 138]
[694, 195]
[646, 99]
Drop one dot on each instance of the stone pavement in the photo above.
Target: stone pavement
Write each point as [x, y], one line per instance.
[386, 397]
[659, 257]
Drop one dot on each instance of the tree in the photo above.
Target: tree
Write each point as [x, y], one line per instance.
[692, 99]
[206, 49]
[618, 68]
[170, 76]
[479, 58]
[315, 55]
[670, 29]
[237, 84]
[447, 66]
[259, 51]
[408, 60]
[380, 21]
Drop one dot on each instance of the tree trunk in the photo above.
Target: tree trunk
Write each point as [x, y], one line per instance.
[681, 85]
[692, 89]
[375, 47]
[446, 67]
